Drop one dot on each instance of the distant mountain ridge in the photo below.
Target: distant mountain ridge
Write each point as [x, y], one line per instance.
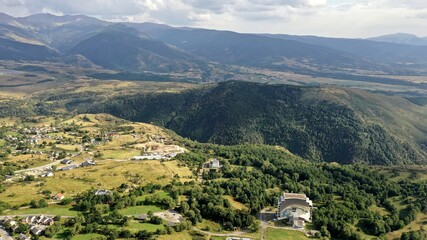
[401, 38]
[133, 51]
[190, 48]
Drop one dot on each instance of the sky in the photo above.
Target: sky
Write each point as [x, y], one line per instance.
[332, 18]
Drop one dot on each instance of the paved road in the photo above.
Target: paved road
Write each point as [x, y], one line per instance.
[38, 169]
[41, 168]
[232, 234]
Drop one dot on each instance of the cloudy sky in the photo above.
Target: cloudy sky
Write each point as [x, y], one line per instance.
[339, 18]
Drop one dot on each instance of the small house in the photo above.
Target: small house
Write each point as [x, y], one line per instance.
[36, 230]
[213, 164]
[58, 196]
[69, 167]
[47, 174]
[66, 161]
[149, 157]
[103, 192]
[87, 163]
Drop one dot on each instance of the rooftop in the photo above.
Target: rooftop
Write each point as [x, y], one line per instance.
[300, 196]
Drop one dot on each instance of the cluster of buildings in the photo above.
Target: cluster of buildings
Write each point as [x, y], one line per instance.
[155, 156]
[37, 224]
[70, 166]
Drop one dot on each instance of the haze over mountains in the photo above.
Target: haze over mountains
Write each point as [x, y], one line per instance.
[161, 48]
[401, 38]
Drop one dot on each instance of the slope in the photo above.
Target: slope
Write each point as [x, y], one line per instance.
[252, 50]
[16, 50]
[323, 124]
[397, 55]
[122, 48]
[63, 32]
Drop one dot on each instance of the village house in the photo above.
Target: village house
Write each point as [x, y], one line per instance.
[38, 220]
[296, 208]
[69, 167]
[43, 220]
[12, 223]
[47, 174]
[35, 230]
[149, 157]
[87, 163]
[29, 219]
[58, 196]
[103, 192]
[213, 164]
[66, 161]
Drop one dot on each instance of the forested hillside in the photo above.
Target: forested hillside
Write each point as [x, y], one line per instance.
[316, 123]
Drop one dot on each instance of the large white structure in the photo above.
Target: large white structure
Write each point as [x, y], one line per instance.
[296, 208]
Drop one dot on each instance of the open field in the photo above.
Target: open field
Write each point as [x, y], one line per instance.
[106, 174]
[29, 160]
[420, 221]
[207, 225]
[176, 236]
[235, 204]
[86, 236]
[120, 154]
[281, 234]
[139, 210]
[412, 173]
[52, 209]
[382, 211]
[67, 147]
[135, 226]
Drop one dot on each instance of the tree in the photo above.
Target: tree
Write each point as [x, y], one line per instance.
[324, 231]
[34, 204]
[42, 203]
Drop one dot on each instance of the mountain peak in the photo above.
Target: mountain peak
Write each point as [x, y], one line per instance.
[400, 38]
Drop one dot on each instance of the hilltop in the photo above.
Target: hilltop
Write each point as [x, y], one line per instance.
[323, 124]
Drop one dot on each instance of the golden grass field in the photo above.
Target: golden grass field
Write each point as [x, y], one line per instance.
[235, 204]
[176, 236]
[420, 221]
[29, 160]
[106, 174]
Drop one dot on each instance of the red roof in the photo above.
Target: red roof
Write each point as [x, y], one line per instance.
[59, 195]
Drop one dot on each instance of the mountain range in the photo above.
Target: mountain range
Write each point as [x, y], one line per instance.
[139, 47]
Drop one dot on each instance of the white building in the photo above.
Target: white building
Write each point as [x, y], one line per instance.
[149, 157]
[297, 208]
[103, 192]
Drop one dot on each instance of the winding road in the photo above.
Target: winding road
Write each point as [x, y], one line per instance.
[41, 168]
